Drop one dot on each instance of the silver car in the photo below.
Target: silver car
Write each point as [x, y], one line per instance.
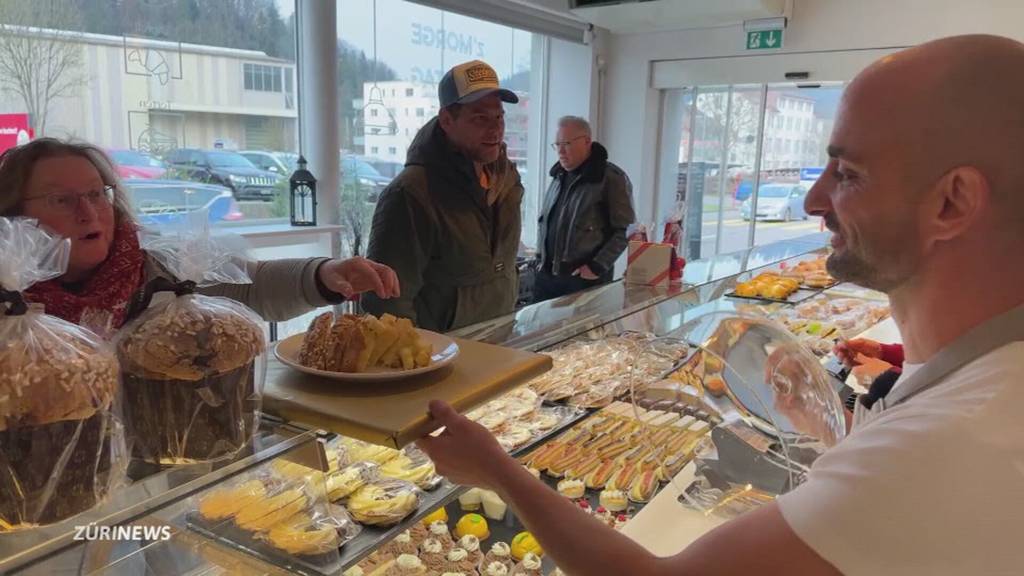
[783, 202]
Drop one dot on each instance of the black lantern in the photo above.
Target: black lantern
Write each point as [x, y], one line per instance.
[303, 196]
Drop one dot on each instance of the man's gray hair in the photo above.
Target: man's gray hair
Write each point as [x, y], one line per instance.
[576, 122]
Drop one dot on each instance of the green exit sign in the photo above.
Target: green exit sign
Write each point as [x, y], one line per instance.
[764, 39]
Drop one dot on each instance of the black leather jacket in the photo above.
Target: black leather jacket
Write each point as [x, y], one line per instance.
[598, 208]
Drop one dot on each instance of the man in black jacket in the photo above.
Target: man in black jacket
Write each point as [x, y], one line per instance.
[587, 208]
[449, 223]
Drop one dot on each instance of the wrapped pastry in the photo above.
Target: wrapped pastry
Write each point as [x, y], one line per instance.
[224, 503]
[383, 503]
[342, 483]
[359, 451]
[413, 466]
[61, 446]
[192, 365]
[304, 537]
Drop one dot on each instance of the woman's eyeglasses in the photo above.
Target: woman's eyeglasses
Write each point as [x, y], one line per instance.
[68, 202]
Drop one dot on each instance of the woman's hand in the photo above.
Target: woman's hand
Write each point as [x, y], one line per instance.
[354, 276]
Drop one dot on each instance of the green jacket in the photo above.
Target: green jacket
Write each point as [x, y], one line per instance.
[455, 256]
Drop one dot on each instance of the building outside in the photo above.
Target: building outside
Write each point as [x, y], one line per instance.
[155, 96]
[394, 111]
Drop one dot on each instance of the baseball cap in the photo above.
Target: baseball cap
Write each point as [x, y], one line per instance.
[469, 82]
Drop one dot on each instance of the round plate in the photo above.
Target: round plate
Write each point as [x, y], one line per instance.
[444, 352]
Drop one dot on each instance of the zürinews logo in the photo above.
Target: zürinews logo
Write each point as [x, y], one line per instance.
[92, 532]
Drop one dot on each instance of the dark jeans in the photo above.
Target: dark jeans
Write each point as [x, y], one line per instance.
[547, 286]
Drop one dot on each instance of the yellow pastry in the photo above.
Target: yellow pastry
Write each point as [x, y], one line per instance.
[344, 482]
[261, 516]
[571, 488]
[402, 467]
[472, 525]
[439, 515]
[221, 504]
[523, 544]
[359, 451]
[613, 500]
[299, 535]
[378, 504]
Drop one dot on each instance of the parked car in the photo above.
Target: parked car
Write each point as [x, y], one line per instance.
[227, 168]
[777, 202]
[357, 172]
[135, 164]
[283, 163]
[159, 201]
[386, 168]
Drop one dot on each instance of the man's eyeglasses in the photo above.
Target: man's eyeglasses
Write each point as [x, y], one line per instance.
[67, 202]
[559, 145]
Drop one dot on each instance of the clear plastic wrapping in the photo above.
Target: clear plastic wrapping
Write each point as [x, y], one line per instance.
[61, 447]
[383, 503]
[192, 365]
[283, 516]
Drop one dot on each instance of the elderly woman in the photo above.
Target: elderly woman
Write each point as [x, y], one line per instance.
[73, 190]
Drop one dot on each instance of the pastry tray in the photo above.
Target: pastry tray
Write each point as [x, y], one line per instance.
[795, 298]
[238, 539]
[395, 413]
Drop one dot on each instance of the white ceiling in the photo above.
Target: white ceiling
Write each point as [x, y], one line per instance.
[640, 17]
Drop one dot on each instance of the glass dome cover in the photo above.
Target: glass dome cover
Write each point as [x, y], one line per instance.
[772, 404]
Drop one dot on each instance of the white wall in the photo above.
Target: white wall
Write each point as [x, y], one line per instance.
[630, 105]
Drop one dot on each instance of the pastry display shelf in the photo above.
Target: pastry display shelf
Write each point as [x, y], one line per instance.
[167, 495]
[158, 489]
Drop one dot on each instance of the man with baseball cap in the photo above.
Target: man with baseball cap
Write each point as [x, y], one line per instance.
[449, 223]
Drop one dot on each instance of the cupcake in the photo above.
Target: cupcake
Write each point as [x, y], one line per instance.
[460, 560]
[402, 544]
[494, 569]
[57, 436]
[189, 380]
[530, 566]
[471, 544]
[500, 553]
[432, 552]
[406, 565]
[439, 531]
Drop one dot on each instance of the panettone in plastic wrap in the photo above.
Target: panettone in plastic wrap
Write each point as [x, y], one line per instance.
[61, 447]
[192, 365]
[773, 406]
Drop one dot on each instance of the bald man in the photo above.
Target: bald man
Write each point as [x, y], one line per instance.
[923, 194]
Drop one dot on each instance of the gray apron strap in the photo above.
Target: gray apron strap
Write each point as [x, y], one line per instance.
[979, 341]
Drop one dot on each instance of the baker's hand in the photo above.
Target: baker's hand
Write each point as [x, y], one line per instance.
[354, 276]
[465, 452]
[848, 351]
[585, 272]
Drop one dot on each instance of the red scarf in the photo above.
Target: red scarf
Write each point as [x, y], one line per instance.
[103, 301]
